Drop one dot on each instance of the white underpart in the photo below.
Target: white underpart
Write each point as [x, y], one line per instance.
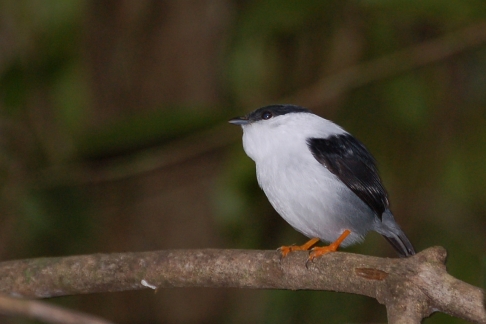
[307, 195]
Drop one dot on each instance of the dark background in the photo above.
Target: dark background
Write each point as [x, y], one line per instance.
[113, 134]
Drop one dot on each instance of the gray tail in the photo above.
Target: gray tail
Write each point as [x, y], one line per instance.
[395, 236]
[401, 244]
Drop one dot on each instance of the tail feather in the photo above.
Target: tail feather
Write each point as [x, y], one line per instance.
[392, 232]
[401, 244]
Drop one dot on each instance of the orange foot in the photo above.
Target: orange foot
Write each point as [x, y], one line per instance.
[284, 250]
[318, 251]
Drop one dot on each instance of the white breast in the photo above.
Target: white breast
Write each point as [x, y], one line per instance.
[308, 196]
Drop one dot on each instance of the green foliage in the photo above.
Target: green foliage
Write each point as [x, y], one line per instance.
[137, 131]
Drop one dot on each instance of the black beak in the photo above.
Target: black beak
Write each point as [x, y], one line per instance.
[239, 121]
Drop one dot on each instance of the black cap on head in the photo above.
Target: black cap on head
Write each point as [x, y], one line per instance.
[268, 112]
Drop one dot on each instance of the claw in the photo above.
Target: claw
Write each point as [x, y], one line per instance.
[321, 250]
[307, 262]
[285, 250]
[315, 251]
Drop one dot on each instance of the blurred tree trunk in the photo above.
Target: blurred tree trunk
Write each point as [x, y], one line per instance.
[143, 56]
[147, 54]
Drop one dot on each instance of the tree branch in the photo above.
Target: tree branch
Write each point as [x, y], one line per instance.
[45, 312]
[411, 288]
[401, 61]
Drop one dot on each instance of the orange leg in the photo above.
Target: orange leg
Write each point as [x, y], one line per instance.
[318, 251]
[287, 249]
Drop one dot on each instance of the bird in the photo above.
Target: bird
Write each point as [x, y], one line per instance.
[319, 178]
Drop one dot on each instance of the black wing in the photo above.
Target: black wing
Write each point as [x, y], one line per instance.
[350, 161]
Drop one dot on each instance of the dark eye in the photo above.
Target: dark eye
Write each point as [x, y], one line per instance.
[266, 115]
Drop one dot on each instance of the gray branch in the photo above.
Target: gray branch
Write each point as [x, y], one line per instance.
[44, 312]
[411, 288]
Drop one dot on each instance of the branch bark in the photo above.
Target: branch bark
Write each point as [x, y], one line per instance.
[44, 312]
[411, 288]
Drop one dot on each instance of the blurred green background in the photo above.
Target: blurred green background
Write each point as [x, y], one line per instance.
[113, 134]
